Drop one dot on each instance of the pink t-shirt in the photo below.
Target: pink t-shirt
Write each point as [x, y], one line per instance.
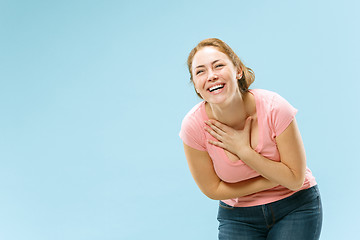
[274, 115]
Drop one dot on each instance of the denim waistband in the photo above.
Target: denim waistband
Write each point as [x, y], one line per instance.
[301, 196]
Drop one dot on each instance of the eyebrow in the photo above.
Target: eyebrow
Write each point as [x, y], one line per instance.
[211, 63]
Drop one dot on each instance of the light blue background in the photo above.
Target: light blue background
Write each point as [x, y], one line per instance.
[92, 94]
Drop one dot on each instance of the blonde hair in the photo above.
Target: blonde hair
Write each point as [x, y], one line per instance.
[248, 75]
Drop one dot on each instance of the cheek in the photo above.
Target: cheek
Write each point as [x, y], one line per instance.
[198, 82]
[196, 86]
[231, 77]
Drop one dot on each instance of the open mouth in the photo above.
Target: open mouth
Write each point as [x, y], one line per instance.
[216, 87]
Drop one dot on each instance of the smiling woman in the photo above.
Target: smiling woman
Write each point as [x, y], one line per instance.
[244, 148]
[247, 76]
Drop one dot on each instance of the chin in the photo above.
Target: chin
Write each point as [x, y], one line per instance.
[221, 100]
[218, 101]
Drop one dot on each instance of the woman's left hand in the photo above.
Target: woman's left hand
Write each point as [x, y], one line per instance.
[234, 141]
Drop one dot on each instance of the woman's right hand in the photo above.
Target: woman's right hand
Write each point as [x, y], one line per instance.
[235, 141]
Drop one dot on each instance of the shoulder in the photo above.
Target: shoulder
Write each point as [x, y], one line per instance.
[269, 98]
[264, 94]
[265, 98]
[192, 127]
[195, 114]
[279, 111]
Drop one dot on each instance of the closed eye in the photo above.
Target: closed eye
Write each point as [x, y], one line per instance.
[199, 71]
[219, 65]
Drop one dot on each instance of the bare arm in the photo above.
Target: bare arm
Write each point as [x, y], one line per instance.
[289, 172]
[203, 172]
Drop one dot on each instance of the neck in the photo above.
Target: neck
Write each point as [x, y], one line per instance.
[234, 113]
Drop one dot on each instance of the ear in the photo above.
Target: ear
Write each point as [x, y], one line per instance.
[239, 74]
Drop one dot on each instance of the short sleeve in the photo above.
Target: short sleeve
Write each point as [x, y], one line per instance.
[282, 114]
[192, 133]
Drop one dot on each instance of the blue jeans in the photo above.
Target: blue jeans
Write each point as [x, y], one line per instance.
[298, 217]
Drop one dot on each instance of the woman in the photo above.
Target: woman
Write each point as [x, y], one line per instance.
[244, 148]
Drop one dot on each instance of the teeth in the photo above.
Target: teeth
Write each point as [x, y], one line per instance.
[215, 87]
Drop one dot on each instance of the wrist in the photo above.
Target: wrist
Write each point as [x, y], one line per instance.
[245, 153]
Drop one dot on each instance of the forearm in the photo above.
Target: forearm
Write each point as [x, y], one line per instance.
[233, 190]
[276, 172]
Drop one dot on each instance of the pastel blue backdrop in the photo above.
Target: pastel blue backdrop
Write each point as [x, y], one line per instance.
[92, 94]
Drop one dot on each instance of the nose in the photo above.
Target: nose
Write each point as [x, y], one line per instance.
[212, 76]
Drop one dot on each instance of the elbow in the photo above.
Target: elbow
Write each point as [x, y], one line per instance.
[296, 184]
[212, 195]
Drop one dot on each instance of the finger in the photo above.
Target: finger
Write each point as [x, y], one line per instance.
[215, 128]
[248, 124]
[215, 143]
[213, 133]
[222, 127]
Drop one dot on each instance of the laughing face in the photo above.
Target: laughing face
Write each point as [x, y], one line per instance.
[215, 76]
